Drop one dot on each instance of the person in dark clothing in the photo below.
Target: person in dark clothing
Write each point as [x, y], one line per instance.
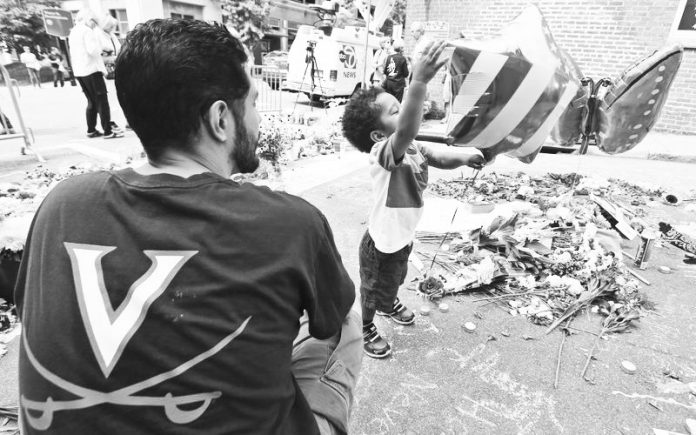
[85, 51]
[7, 127]
[56, 60]
[396, 72]
[183, 302]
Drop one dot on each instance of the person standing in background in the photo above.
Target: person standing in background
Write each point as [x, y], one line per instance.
[56, 60]
[111, 47]
[380, 60]
[33, 65]
[88, 66]
[421, 40]
[110, 43]
[396, 71]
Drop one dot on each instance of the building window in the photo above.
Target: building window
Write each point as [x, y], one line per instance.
[122, 18]
[181, 16]
[274, 23]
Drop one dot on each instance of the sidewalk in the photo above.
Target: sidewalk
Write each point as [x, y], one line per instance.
[663, 146]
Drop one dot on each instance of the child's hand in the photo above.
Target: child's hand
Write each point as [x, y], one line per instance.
[476, 161]
[427, 66]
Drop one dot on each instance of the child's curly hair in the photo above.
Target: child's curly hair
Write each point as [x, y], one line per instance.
[362, 117]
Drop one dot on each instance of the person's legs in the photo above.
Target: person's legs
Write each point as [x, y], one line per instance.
[380, 277]
[102, 101]
[30, 73]
[91, 111]
[38, 77]
[399, 92]
[388, 87]
[327, 371]
[447, 112]
[6, 124]
[111, 130]
[57, 77]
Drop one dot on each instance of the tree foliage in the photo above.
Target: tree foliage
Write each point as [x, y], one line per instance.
[21, 23]
[397, 15]
[248, 17]
[398, 12]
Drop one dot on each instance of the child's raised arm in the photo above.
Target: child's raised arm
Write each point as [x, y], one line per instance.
[412, 109]
[449, 158]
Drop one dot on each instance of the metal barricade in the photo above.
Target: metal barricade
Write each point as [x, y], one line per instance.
[9, 132]
[269, 81]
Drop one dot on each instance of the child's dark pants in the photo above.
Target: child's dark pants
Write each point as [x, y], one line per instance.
[380, 277]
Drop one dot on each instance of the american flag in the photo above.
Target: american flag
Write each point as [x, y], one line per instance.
[503, 103]
[510, 93]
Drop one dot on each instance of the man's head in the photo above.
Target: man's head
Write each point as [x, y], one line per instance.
[398, 45]
[183, 87]
[109, 23]
[417, 30]
[26, 49]
[87, 17]
[370, 116]
[385, 42]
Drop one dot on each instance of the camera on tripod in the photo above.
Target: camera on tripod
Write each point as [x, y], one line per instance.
[311, 44]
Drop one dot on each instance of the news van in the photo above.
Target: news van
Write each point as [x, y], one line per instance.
[340, 61]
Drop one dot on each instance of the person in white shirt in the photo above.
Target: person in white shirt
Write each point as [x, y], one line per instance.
[422, 41]
[88, 66]
[33, 66]
[380, 60]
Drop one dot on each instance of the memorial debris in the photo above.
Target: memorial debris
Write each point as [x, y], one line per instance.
[9, 416]
[550, 260]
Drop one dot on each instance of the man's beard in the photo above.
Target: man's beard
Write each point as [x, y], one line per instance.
[244, 153]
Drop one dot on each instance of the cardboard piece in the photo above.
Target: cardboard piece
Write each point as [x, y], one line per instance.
[616, 218]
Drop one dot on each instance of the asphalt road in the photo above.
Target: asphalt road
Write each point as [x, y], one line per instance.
[443, 380]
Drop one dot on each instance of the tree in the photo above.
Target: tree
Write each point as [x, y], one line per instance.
[397, 16]
[398, 12]
[248, 17]
[21, 23]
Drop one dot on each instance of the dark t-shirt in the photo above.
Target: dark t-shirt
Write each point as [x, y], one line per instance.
[396, 69]
[56, 60]
[157, 304]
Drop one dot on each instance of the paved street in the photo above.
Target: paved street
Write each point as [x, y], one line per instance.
[441, 379]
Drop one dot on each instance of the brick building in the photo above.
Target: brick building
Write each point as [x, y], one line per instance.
[603, 36]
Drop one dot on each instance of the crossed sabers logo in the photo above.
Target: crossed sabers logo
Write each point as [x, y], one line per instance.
[109, 331]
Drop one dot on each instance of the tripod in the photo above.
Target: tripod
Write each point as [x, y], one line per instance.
[311, 65]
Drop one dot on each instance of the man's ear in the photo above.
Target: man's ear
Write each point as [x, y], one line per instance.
[217, 121]
[377, 136]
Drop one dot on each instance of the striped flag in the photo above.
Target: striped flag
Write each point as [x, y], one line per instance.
[505, 104]
[512, 93]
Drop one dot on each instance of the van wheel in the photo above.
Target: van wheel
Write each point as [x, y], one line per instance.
[314, 98]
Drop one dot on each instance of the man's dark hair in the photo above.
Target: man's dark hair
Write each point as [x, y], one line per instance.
[168, 74]
[362, 117]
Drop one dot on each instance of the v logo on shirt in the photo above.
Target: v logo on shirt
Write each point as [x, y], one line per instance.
[110, 330]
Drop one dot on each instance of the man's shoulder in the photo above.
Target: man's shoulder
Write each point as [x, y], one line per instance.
[79, 185]
[281, 205]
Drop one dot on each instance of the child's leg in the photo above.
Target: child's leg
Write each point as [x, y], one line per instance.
[395, 310]
[380, 277]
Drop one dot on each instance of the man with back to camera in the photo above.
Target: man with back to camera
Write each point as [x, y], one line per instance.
[170, 299]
